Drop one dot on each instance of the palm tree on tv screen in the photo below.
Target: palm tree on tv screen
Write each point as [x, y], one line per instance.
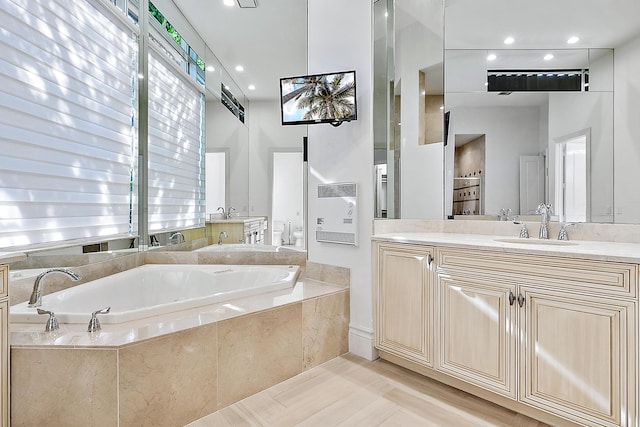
[327, 99]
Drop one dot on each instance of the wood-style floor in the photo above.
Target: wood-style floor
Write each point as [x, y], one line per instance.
[350, 391]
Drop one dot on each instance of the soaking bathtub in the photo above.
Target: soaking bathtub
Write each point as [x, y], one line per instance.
[156, 289]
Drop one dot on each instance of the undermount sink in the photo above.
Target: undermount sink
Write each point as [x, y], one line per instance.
[537, 242]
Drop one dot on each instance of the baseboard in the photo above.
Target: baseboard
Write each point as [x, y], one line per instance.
[361, 342]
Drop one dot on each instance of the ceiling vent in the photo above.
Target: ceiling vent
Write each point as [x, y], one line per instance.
[247, 3]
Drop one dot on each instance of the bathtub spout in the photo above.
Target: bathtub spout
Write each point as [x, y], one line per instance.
[221, 235]
[36, 296]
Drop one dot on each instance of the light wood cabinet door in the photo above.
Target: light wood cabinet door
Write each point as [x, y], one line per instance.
[477, 327]
[4, 357]
[405, 302]
[575, 357]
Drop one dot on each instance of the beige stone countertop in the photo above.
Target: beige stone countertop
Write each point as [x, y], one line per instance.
[235, 220]
[73, 335]
[8, 257]
[597, 250]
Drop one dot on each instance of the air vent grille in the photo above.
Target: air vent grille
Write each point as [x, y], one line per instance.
[337, 190]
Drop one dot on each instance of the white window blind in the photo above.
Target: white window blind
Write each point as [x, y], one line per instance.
[67, 77]
[176, 198]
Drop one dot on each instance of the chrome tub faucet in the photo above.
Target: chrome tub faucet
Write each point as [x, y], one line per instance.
[178, 236]
[223, 234]
[36, 296]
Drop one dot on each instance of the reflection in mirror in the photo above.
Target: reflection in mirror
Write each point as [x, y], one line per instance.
[602, 34]
[545, 106]
[408, 95]
[525, 132]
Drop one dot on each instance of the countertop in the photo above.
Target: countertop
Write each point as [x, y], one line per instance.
[583, 249]
[235, 220]
[8, 257]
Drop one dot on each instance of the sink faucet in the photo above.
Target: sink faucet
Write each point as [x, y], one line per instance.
[230, 211]
[221, 235]
[545, 212]
[36, 295]
[179, 237]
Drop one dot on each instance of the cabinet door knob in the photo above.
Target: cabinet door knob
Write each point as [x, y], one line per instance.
[512, 298]
[429, 260]
[520, 300]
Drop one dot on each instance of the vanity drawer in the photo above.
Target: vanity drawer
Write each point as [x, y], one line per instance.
[612, 278]
[4, 281]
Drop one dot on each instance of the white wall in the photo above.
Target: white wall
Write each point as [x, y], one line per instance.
[342, 41]
[421, 167]
[225, 131]
[627, 130]
[267, 134]
[215, 174]
[510, 132]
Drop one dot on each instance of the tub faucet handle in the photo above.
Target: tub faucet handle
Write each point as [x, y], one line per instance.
[94, 323]
[52, 323]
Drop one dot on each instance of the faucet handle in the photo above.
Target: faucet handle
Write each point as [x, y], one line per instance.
[524, 231]
[52, 323]
[94, 323]
[562, 234]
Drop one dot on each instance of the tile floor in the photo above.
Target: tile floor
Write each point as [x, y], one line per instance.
[350, 391]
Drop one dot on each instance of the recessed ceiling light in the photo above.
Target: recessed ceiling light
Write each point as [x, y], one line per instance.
[442, 107]
[573, 40]
[509, 40]
[548, 57]
[210, 68]
[141, 76]
[227, 87]
[491, 57]
[229, 2]
[252, 87]
[239, 68]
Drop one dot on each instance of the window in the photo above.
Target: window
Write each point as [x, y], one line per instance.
[67, 122]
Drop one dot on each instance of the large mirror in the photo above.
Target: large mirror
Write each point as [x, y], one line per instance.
[248, 155]
[254, 165]
[506, 149]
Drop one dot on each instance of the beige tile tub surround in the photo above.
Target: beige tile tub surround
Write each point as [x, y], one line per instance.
[171, 380]
[324, 335]
[258, 351]
[64, 387]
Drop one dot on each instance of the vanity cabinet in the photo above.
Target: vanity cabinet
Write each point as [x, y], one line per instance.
[4, 344]
[476, 334]
[571, 321]
[577, 355]
[404, 301]
[537, 333]
[248, 230]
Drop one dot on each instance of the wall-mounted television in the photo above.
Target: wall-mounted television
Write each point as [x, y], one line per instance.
[319, 98]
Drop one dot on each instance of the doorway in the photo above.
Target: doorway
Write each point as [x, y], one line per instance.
[287, 201]
[573, 187]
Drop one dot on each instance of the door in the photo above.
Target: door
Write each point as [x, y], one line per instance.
[574, 358]
[405, 303]
[477, 332]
